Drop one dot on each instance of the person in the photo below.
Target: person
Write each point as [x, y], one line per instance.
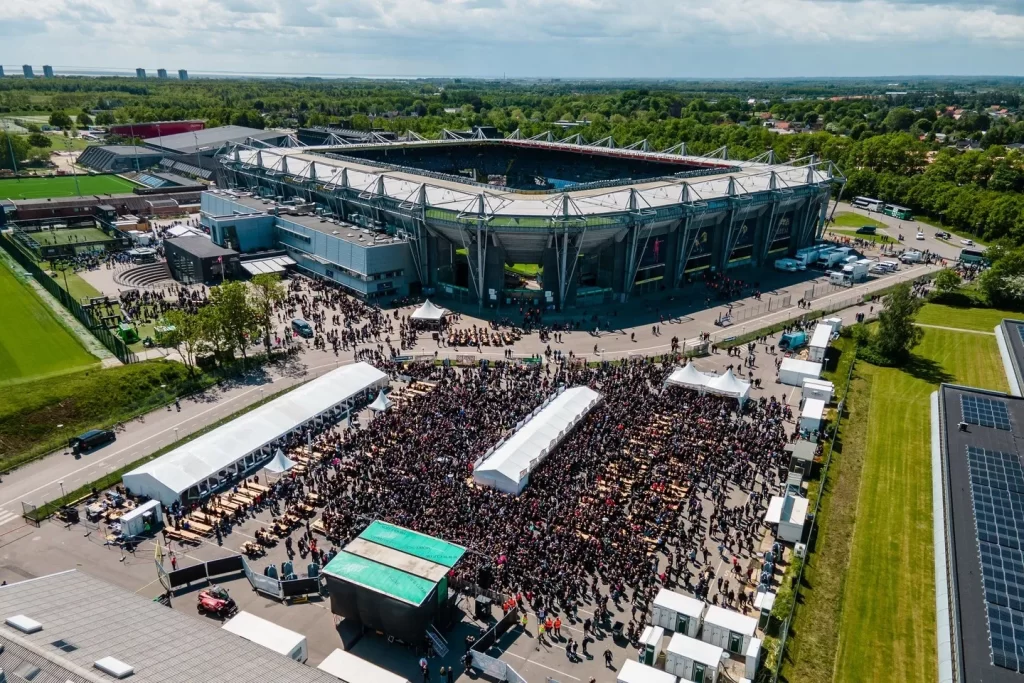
[608, 658]
[174, 562]
[558, 627]
[451, 674]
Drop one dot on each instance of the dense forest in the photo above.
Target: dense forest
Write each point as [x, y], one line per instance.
[944, 148]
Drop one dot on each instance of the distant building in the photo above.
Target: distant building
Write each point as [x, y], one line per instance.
[182, 75]
[1, 72]
[27, 70]
[161, 73]
[140, 73]
[48, 71]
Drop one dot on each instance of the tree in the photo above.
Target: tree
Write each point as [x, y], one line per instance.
[84, 119]
[39, 140]
[8, 143]
[105, 118]
[59, 119]
[266, 291]
[897, 334]
[234, 316]
[947, 281]
[1003, 282]
[187, 337]
[210, 330]
[899, 119]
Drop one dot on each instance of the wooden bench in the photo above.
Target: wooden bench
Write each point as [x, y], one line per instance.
[184, 536]
[202, 529]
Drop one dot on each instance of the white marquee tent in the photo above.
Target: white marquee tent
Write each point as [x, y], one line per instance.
[218, 457]
[428, 312]
[381, 403]
[507, 466]
[727, 384]
[279, 463]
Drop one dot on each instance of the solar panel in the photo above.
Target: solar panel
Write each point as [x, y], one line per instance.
[985, 412]
[997, 495]
[1020, 331]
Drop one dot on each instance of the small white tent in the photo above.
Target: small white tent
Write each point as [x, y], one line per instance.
[279, 463]
[689, 377]
[428, 312]
[729, 385]
[381, 403]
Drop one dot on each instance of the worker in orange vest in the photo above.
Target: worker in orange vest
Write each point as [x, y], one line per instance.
[558, 627]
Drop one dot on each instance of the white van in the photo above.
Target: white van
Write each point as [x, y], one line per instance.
[911, 257]
[789, 265]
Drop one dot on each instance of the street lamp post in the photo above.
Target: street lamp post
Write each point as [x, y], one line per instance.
[62, 494]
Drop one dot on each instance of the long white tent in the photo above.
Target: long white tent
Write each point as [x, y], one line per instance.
[429, 312]
[507, 466]
[197, 468]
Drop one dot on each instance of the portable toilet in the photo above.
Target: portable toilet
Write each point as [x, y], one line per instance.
[752, 658]
[835, 323]
[801, 456]
[818, 388]
[764, 602]
[728, 629]
[693, 660]
[650, 645]
[677, 612]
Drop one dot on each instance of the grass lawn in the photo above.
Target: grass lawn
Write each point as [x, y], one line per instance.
[76, 286]
[62, 186]
[979, 319]
[852, 234]
[845, 219]
[867, 608]
[33, 342]
[95, 398]
[70, 236]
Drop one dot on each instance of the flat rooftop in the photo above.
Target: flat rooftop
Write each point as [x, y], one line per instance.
[1013, 333]
[341, 230]
[203, 247]
[984, 505]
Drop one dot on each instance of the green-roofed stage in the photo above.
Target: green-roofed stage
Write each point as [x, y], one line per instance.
[392, 579]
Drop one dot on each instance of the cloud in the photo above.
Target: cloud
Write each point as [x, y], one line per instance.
[684, 38]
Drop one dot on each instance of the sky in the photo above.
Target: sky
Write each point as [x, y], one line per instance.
[522, 38]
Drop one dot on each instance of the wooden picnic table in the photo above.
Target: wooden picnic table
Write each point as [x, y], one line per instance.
[203, 529]
[183, 535]
[259, 488]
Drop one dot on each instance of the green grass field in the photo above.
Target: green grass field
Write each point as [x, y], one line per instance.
[852, 234]
[854, 220]
[33, 343]
[867, 607]
[70, 236]
[62, 186]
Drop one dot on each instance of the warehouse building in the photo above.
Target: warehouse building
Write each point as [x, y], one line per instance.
[209, 141]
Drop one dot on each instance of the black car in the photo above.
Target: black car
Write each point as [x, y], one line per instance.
[92, 439]
[942, 235]
[866, 230]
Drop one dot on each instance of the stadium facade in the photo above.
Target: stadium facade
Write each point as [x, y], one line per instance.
[453, 217]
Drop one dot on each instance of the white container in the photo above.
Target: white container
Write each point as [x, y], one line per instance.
[650, 645]
[269, 635]
[349, 668]
[728, 629]
[635, 672]
[692, 659]
[794, 371]
[677, 612]
[820, 339]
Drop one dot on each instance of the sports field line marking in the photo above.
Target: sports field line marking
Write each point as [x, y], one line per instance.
[216, 406]
[955, 329]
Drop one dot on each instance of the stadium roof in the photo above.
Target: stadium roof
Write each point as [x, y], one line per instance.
[507, 467]
[210, 138]
[395, 561]
[85, 620]
[170, 475]
[737, 179]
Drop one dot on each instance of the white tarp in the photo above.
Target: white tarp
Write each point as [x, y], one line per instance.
[279, 463]
[381, 403]
[429, 312]
[507, 467]
[217, 455]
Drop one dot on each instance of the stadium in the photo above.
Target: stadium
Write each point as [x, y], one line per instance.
[595, 223]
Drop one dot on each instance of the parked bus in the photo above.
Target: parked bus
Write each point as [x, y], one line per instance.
[973, 256]
[901, 212]
[868, 203]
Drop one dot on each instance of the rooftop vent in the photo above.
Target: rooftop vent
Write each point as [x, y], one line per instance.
[24, 624]
[114, 667]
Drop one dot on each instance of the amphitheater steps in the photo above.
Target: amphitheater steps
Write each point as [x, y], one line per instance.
[149, 275]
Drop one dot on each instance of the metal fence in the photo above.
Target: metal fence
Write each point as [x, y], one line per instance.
[83, 315]
[814, 520]
[820, 289]
[756, 310]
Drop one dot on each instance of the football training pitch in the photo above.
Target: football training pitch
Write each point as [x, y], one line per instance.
[33, 343]
[69, 236]
[62, 186]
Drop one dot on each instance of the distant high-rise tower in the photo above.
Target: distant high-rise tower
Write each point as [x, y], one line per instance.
[27, 70]
[48, 71]
[1, 72]
[182, 75]
[161, 73]
[140, 73]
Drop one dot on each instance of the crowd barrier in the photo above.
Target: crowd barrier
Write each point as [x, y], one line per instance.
[207, 571]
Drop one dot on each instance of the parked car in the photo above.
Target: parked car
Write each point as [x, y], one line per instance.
[967, 243]
[866, 230]
[920, 235]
